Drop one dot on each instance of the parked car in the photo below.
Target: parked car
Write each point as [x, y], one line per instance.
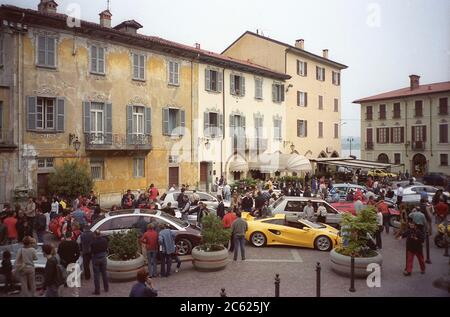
[344, 188]
[293, 206]
[380, 173]
[348, 206]
[411, 194]
[187, 235]
[436, 179]
[172, 196]
[283, 229]
[39, 264]
[405, 183]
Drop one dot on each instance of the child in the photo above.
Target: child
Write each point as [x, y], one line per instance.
[414, 245]
[7, 270]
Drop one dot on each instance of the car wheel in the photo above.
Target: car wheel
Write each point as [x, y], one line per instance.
[323, 243]
[39, 278]
[184, 246]
[439, 241]
[258, 239]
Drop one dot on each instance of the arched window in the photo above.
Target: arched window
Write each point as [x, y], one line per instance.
[383, 158]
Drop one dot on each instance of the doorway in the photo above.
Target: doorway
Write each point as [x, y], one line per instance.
[204, 175]
[419, 165]
[174, 176]
[42, 184]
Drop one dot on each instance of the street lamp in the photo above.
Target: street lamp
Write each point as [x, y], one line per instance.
[350, 139]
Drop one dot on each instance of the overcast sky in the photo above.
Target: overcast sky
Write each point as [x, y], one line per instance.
[382, 42]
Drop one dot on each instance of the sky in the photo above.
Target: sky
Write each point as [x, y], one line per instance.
[381, 42]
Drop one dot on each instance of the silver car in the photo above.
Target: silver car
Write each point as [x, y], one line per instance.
[411, 194]
[293, 206]
[210, 201]
[344, 188]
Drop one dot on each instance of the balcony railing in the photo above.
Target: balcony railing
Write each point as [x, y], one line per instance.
[117, 142]
[369, 145]
[418, 145]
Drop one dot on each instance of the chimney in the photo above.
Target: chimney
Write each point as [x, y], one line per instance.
[105, 18]
[130, 27]
[325, 53]
[197, 46]
[414, 81]
[47, 6]
[300, 44]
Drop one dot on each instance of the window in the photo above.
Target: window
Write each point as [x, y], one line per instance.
[213, 124]
[46, 51]
[443, 106]
[336, 131]
[258, 88]
[382, 113]
[369, 114]
[138, 66]
[302, 99]
[302, 129]
[320, 102]
[97, 168]
[138, 121]
[320, 129]
[383, 135]
[397, 158]
[398, 135]
[97, 60]
[45, 113]
[369, 139]
[336, 105]
[45, 162]
[1, 50]
[302, 68]
[277, 129]
[444, 159]
[139, 167]
[174, 73]
[320, 73]
[418, 108]
[419, 133]
[397, 111]
[259, 124]
[336, 78]
[213, 80]
[237, 85]
[277, 92]
[173, 121]
[443, 133]
[97, 123]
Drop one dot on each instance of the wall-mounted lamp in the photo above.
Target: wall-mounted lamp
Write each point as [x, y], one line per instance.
[73, 140]
[207, 143]
[289, 86]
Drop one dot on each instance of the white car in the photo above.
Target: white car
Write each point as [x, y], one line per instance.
[210, 201]
[411, 194]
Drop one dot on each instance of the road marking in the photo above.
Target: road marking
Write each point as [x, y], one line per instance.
[295, 255]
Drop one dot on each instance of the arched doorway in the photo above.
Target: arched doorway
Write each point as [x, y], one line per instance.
[419, 165]
[383, 158]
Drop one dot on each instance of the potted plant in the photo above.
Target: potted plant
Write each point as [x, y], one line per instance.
[124, 260]
[355, 232]
[211, 254]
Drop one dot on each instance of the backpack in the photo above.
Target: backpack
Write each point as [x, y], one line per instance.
[61, 274]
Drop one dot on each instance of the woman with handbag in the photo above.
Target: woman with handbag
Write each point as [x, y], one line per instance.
[25, 267]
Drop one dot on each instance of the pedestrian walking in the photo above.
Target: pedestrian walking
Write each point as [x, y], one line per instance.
[69, 252]
[238, 230]
[86, 239]
[99, 248]
[51, 286]
[414, 248]
[40, 224]
[30, 213]
[399, 194]
[384, 209]
[220, 207]
[25, 267]
[150, 239]
[144, 286]
[6, 270]
[227, 221]
[166, 240]
[10, 223]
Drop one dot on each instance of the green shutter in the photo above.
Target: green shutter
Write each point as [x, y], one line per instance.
[219, 81]
[87, 116]
[130, 124]
[206, 131]
[31, 107]
[232, 88]
[165, 123]
[182, 122]
[108, 130]
[60, 114]
[148, 121]
[242, 90]
[207, 79]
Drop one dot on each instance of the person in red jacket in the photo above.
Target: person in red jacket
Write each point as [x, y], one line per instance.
[441, 210]
[150, 239]
[10, 223]
[227, 221]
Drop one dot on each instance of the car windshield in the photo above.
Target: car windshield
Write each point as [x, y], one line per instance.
[277, 202]
[179, 222]
[313, 224]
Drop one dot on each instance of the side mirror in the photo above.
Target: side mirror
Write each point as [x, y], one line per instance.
[306, 228]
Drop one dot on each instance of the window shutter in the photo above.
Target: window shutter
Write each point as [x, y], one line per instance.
[298, 98]
[207, 79]
[130, 124]
[242, 132]
[392, 135]
[402, 135]
[306, 128]
[305, 66]
[280, 128]
[60, 114]
[93, 59]
[108, 130]
[142, 67]
[182, 121]
[242, 86]
[87, 116]
[424, 133]
[274, 93]
[177, 73]
[378, 135]
[219, 81]
[413, 134]
[231, 125]
[317, 72]
[306, 99]
[323, 73]
[282, 93]
[232, 88]
[220, 124]
[298, 128]
[298, 67]
[31, 122]
[206, 131]
[135, 66]
[165, 124]
[51, 44]
[148, 121]
[41, 50]
[101, 60]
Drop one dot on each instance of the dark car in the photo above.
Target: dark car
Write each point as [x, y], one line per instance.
[436, 179]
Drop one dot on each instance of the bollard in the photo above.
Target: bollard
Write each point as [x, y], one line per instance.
[277, 285]
[352, 275]
[318, 269]
[222, 293]
[427, 243]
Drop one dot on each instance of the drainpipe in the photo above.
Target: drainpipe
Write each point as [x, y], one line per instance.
[19, 83]
[223, 124]
[431, 128]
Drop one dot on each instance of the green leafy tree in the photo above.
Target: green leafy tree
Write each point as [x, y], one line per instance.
[356, 229]
[70, 179]
[123, 246]
[214, 235]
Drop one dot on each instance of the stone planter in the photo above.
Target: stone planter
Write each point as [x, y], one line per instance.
[341, 264]
[209, 261]
[124, 270]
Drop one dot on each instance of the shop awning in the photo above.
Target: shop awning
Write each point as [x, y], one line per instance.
[238, 164]
[354, 163]
[278, 162]
[297, 163]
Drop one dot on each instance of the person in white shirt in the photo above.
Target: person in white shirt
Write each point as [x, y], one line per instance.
[358, 205]
[380, 228]
[399, 194]
[321, 213]
[308, 211]
[172, 189]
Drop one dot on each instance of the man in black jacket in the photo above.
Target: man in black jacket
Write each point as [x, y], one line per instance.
[220, 207]
[86, 238]
[40, 223]
[259, 203]
[50, 272]
[99, 248]
[247, 202]
[69, 252]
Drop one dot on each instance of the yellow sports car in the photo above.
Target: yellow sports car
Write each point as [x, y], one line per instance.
[282, 230]
[381, 173]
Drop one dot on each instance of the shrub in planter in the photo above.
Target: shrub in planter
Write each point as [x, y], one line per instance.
[211, 254]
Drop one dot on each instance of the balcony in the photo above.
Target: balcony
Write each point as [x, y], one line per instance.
[258, 144]
[7, 141]
[369, 146]
[117, 142]
[418, 145]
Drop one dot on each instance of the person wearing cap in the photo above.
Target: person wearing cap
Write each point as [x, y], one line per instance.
[308, 211]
